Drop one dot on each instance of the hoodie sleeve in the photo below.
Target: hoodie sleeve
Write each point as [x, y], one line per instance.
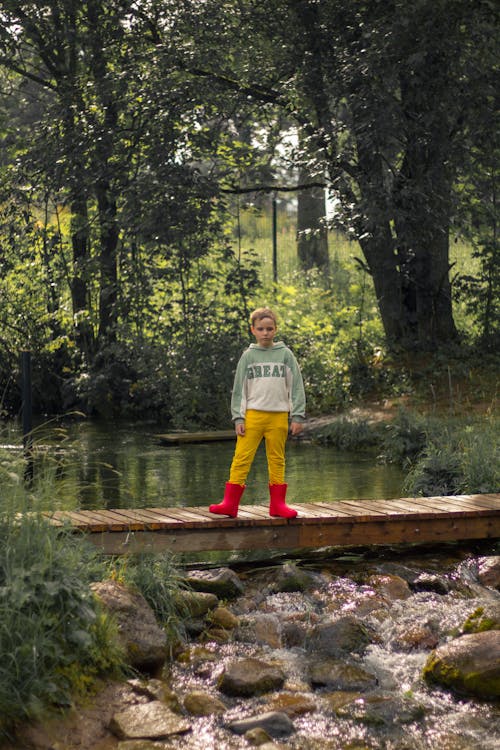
[297, 392]
[238, 397]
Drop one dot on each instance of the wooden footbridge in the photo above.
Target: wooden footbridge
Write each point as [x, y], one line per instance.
[340, 523]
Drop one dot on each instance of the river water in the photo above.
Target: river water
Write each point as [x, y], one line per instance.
[101, 465]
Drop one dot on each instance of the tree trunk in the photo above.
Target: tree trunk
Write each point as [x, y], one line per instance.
[312, 233]
[79, 282]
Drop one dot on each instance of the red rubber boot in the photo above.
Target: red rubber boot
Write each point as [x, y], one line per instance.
[277, 506]
[232, 497]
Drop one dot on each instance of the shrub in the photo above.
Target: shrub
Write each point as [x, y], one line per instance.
[54, 640]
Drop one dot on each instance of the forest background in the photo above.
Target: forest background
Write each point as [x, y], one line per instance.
[167, 166]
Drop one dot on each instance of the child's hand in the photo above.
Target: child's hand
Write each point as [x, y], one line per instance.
[296, 428]
[240, 428]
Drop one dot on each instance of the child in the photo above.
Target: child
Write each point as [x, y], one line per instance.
[267, 388]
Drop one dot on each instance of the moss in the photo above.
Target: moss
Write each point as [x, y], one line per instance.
[478, 622]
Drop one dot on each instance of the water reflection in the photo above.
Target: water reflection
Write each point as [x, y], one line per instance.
[104, 466]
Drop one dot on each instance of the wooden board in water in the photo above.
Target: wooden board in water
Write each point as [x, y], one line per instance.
[175, 438]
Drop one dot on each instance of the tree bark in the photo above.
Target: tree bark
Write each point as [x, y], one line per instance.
[312, 233]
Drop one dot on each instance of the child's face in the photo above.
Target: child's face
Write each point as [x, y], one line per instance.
[264, 331]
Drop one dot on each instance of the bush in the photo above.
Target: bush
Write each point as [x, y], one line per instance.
[54, 640]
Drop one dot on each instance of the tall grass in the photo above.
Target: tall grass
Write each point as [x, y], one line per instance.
[54, 639]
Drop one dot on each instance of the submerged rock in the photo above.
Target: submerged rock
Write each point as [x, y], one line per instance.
[250, 677]
[337, 675]
[391, 587]
[469, 664]
[382, 709]
[149, 721]
[483, 618]
[275, 723]
[142, 638]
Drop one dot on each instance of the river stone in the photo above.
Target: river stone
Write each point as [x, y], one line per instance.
[431, 582]
[489, 571]
[224, 618]
[338, 675]
[293, 704]
[143, 640]
[260, 628]
[223, 582]
[199, 703]
[147, 721]
[250, 677]
[195, 603]
[291, 578]
[337, 637]
[469, 664]
[157, 690]
[483, 618]
[275, 723]
[382, 709]
[390, 586]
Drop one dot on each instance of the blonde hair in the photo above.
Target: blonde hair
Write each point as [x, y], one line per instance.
[263, 312]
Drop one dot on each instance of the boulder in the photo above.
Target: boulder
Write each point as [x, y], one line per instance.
[143, 640]
[195, 603]
[223, 582]
[248, 677]
[382, 709]
[483, 618]
[224, 618]
[469, 664]
[260, 628]
[291, 578]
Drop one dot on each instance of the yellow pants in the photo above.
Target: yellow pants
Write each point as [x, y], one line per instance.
[271, 425]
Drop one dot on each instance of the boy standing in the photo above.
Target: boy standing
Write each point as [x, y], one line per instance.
[267, 390]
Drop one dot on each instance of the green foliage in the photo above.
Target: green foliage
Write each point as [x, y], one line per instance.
[54, 640]
[349, 434]
[458, 458]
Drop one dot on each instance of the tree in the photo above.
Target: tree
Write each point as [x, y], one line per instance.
[381, 91]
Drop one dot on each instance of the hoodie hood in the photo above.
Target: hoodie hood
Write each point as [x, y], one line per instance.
[276, 345]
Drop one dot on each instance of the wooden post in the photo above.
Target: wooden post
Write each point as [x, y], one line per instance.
[275, 241]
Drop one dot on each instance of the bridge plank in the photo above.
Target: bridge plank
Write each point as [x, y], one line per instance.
[344, 522]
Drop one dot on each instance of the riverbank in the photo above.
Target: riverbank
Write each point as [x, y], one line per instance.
[317, 654]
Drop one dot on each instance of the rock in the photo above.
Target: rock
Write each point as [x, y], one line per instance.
[336, 637]
[250, 677]
[293, 634]
[275, 723]
[382, 709]
[338, 675]
[431, 582]
[157, 690]
[483, 618]
[195, 603]
[224, 618]
[291, 578]
[340, 698]
[257, 737]
[469, 664]
[260, 628]
[148, 721]
[222, 582]
[391, 587]
[143, 640]
[489, 571]
[199, 703]
[416, 637]
[292, 704]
